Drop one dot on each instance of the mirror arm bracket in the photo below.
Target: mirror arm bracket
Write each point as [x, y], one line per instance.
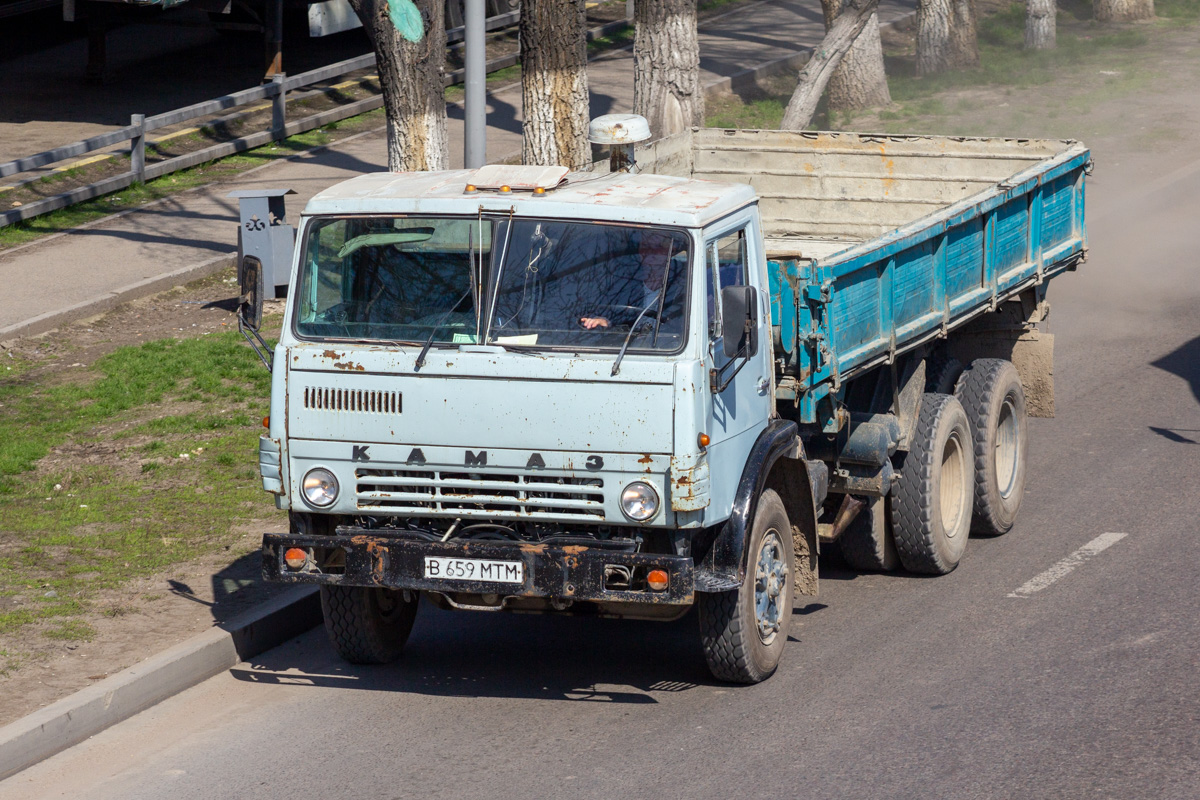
[715, 384]
[261, 348]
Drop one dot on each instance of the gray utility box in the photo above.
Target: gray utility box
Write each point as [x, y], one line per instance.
[265, 234]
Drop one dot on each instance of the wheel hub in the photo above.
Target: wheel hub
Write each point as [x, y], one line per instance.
[1008, 449]
[770, 584]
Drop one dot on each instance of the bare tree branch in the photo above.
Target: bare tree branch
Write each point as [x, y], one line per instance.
[825, 59]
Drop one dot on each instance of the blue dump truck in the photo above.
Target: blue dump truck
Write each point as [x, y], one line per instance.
[667, 382]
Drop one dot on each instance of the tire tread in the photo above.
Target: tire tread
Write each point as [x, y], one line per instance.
[913, 506]
[724, 636]
[975, 390]
[356, 635]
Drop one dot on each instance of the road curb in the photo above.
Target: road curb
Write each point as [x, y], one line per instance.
[85, 713]
[745, 79]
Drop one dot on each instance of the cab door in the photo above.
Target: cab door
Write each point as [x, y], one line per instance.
[733, 257]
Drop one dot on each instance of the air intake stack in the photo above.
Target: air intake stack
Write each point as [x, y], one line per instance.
[620, 132]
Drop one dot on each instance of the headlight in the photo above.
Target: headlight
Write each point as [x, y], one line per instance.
[320, 487]
[639, 501]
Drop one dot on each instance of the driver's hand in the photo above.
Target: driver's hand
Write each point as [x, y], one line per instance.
[593, 322]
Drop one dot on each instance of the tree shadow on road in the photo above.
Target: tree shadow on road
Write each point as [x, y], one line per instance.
[1183, 361]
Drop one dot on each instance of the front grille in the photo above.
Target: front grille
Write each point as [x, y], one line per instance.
[474, 494]
[375, 402]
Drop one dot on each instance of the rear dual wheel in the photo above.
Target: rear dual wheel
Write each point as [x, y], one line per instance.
[867, 544]
[965, 471]
[932, 503]
[991, 393]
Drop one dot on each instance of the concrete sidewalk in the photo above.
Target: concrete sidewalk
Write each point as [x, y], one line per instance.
[88, 270]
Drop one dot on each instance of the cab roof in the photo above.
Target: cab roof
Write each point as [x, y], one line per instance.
[616, 197]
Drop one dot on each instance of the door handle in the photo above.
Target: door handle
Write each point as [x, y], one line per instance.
[763, 385]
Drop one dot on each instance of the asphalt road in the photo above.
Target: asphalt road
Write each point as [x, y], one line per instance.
[1057, 661]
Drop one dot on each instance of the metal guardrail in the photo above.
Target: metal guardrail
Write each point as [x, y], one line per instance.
[276, 92]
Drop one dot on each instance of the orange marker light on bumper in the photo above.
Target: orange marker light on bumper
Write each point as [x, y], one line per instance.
[295, 557]
[266, 422]
[657, 579]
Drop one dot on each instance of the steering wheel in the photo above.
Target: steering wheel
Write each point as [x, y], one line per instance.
[340, 315]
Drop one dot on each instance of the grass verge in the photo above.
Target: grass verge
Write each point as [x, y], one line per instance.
[143, 461]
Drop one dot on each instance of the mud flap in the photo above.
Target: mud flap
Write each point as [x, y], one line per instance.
[1031, 351]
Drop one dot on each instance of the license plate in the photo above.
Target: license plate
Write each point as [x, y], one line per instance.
[474, 569]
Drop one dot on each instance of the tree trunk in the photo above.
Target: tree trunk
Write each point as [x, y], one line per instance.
[666, 66]
[1040, 32]
[946, 36]
[964, 41]
[824, 61]
[554, 88]
[1123, 10]
[411, 76]
[860, 80]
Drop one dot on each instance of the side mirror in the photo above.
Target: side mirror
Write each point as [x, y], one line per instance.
[250, 306]
[250, 284]
[739, 321]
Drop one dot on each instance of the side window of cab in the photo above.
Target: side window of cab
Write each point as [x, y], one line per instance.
[725, 265]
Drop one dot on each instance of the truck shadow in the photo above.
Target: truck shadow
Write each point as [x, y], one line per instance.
[463, 654]
[233, 589]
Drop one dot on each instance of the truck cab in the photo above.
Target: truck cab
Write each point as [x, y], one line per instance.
[521, 389]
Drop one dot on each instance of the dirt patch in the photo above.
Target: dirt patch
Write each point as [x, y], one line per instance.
[130, 624]
[47, 660]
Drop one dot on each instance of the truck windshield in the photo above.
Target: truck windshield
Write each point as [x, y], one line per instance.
[590, 286]
[542, 284]
[394, 278]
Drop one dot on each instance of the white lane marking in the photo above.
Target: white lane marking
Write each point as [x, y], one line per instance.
[1068, 564]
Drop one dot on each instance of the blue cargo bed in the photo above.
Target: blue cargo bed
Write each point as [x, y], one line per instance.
[877, 244]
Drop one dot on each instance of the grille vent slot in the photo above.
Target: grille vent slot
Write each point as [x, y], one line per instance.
[372, 402]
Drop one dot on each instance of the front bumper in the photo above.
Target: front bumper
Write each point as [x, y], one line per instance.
[569, 572]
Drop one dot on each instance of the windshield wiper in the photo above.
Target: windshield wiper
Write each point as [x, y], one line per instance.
[632, 330]
[429, 342]
[660, 300]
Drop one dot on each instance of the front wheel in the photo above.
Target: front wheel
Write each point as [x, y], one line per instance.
[743, 631]
[367, 625]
